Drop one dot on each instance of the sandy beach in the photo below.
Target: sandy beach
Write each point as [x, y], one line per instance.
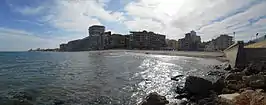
[201, 54]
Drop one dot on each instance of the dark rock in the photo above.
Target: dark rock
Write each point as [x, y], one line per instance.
[217, 67]
[234, 76]
[227, 91]
[235, 85]
[255, 81]
[250, 97]
[219, 85]
[175, 78]
[183, 95]
[216, 73]
[228, 67]
[207, 101]
[244, 89]
[155, 99]
[184, 102]
[197, 85]
[247, 71]
[179, 90]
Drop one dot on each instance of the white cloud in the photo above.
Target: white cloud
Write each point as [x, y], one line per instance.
[176, 17]
[20, 40]
[77, 16]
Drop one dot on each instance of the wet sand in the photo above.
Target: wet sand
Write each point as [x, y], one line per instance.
[201, 54]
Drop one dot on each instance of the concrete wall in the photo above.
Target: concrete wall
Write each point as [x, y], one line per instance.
[255, 54]
[236, 55]
[239, 56]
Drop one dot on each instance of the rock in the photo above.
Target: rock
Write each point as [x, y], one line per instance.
[234, 81]
[226, 99]
[234, 76]
[247, 71]
[216, 73]
[184, 102]
[219, 85]
[244, 89]
[257, 67]
[250, 97]
[235, 85]
[179, 90]
[227, 91]
[206, 101]
[175, 78]
[154, 99]
[255, 81]
[229, 97]
[228, 67]
[197, 85]
[181, 96]
[217, 67]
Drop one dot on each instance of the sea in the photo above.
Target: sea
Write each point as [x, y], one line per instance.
[93, 78]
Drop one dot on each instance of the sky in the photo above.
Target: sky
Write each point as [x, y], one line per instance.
[26, 24]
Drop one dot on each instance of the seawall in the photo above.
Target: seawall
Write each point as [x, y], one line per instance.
[239, 56]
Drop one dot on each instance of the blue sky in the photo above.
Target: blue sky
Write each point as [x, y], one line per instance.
[26, 24]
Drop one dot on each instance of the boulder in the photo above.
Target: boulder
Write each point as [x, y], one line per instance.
[250, 97]
[219, 85]
[228, 91]
[184, 102]
[228, 67]
[234, 81]
[247, 71]
[235, 85]
[197, 85]
[257, 66]
[234, 76]
[217, 67]
[227, 99]
[182, 95]
[154, 99]
[255, 81]
[216, 73]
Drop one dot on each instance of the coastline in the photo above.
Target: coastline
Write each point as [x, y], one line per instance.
[200, 54]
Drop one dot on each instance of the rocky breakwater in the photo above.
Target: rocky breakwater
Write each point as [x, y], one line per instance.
[238, 86]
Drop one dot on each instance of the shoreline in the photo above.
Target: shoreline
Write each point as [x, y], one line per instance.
[199, 54]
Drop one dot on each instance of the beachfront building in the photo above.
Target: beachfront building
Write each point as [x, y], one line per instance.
[190, 42]
[220, 43]
[172, 44]
[147, 40]
[96, 32]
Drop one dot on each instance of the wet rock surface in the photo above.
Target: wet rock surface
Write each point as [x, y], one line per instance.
[236, 86]
[197, 85]
[154, 99]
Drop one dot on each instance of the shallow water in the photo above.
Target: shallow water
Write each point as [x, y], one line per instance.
[93, 78]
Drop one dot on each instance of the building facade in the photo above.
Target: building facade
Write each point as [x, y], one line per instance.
[190, 42]
[223, 41]
[147, 40]
[172, 44]
[220, 43]
[97, 32]
[98, 39]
